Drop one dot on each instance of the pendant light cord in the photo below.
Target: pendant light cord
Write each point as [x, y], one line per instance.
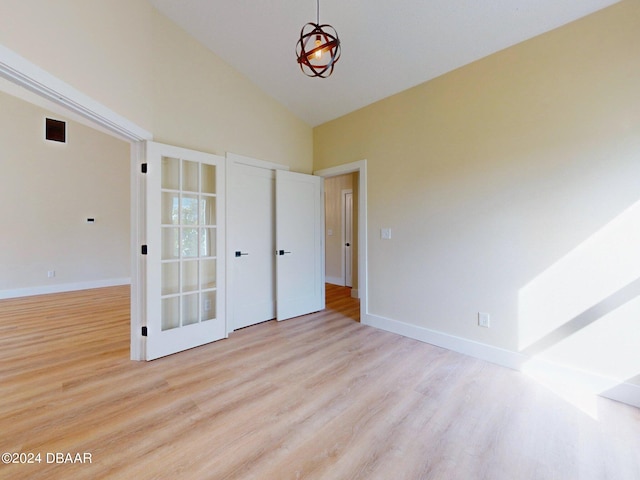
[318, 12]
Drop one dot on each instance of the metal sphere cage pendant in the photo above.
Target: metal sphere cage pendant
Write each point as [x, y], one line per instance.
[318, 48]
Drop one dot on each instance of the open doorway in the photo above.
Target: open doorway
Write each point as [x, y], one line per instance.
[66, 231]
[358, 170]
[65, 204]
[47, 89]
[341, 230]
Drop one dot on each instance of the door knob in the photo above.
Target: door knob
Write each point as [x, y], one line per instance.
[347, 244]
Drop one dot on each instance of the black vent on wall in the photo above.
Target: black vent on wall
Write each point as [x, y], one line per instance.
[56, 130]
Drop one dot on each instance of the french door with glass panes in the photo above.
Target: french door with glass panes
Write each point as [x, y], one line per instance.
[185, 260]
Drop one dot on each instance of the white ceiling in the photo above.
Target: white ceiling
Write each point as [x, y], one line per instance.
[387, 46]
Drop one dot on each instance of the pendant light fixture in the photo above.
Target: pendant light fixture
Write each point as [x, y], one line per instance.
[318, 49]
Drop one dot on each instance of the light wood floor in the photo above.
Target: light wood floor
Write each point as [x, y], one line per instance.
[317, 397]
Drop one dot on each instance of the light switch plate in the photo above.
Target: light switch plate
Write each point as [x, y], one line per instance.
[385, 233]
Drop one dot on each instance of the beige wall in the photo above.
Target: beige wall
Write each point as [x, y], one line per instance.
[126, 55]
[202, 103]
[493, 175]
[103, 49]
[47, 192]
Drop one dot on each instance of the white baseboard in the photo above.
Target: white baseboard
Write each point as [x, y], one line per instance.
[355, 293]
[606, 387]
[335, 281]
[499, 356]
[64, 287]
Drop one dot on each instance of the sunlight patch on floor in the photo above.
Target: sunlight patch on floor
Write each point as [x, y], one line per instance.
[580, 394]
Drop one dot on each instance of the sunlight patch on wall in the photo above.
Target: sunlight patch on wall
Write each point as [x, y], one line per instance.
[579, 321]
[593, 360]
[609, 347]
[594, 271]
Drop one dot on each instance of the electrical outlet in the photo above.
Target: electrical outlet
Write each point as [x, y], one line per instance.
[385, 233]
[51, 273]
[483, 320]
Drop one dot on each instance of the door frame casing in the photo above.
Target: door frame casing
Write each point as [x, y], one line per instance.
[359, 167]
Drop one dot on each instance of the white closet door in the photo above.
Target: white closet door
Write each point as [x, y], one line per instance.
[299, 243]
[251, 220]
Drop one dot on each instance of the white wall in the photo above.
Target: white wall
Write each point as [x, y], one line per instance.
[47, 192]
[103, 49]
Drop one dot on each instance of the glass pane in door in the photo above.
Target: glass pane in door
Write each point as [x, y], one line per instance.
[189, 210]
[170, 313]
[207, 242]
[170, 173]
[170, 243]
[208, 274]
[189, 242]
[208, 210]
[190, 309]
[190, 177]
[170, 203]
[170, 278]
[208, 311]
[190, 276]
[208, 178]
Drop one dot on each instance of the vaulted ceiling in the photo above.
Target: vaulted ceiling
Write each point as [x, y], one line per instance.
[387, 46]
